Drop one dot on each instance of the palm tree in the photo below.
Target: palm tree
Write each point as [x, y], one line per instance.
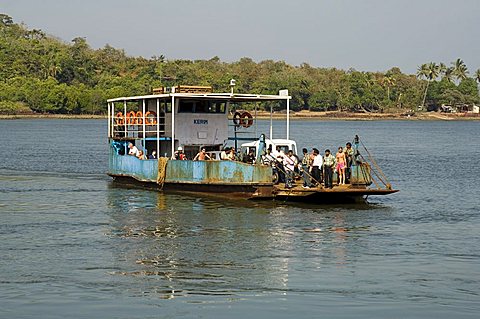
[430, 72]
[448, 74]
[422, 71]
[388, 81]
[460, 70]
[442, 67]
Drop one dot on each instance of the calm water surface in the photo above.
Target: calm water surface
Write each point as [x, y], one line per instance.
[75, 245]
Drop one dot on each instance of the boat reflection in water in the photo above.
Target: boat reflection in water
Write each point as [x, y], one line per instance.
[172, 245]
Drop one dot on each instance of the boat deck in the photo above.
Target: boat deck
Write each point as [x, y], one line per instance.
[298, 190]
[339, 193]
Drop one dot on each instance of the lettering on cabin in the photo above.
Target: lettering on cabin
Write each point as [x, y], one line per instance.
[197, 121]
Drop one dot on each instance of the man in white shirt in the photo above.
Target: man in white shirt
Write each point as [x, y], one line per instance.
[317, 166]
[133, 150]
[289, 162]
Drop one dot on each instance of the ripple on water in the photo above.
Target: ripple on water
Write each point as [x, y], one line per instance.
[73, 242]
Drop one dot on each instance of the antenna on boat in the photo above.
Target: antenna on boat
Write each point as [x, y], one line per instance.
[232, 85]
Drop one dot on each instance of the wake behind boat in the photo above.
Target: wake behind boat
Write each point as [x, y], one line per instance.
[188, 138]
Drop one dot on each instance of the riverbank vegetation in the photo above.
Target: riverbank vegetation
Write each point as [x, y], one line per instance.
[42, 74]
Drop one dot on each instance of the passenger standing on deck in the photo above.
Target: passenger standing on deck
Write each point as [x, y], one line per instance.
[305, 169]
[268, 159]
[341, 164]
[289, 162]
[349, 156]
[328, 164]
[202, 156]
[281, 170]
[316, 166]
[133, 150]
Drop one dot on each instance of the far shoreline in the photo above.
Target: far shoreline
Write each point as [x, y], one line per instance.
[302, 115]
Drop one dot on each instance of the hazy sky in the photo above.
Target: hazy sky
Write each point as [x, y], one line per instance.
[368, 35]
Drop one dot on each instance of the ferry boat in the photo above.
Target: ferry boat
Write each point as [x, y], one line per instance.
[172, 125]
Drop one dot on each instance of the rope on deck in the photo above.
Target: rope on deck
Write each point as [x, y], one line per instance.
[162, 171]
[377, 170]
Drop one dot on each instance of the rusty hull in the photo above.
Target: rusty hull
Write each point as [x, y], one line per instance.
[235, 178]
[217, 173]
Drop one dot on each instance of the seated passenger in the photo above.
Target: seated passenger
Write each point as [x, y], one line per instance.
[224, 154]
[153, 155]
[202, 156]
[250, 157]
[140, 155]
[133, 150]
[231, 155]
[179, 155]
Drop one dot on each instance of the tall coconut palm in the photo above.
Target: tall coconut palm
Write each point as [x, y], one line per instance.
[460, 70]
[448, 74]
[422, 71]
[430, 72]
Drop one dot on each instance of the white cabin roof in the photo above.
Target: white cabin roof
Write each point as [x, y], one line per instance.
[210, 96]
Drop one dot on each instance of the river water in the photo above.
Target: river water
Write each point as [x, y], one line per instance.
[75, 245]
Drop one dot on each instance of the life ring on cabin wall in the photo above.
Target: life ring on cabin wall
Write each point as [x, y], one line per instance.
[139, 116]
[246, 119]
[151, 118]
[119, 119]
[236, 118]
[131, 118]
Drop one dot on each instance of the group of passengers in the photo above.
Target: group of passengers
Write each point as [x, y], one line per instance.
[319, 169]
[228, 154]
[314, 168]
[134, 151]
[178, 155]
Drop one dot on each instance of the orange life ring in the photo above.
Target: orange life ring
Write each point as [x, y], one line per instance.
[150, 120]
[139, 116]
[119, 119]
[236, 118]
[131, 118]
[246, 119]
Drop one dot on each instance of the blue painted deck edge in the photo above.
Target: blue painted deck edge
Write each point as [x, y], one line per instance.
[190, 172]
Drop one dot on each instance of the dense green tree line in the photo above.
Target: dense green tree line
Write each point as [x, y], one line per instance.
[43, 74]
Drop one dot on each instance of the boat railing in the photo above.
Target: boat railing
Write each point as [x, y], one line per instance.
[123, 127]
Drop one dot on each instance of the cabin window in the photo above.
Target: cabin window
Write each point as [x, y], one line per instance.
[201, 106]
[217, 107]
